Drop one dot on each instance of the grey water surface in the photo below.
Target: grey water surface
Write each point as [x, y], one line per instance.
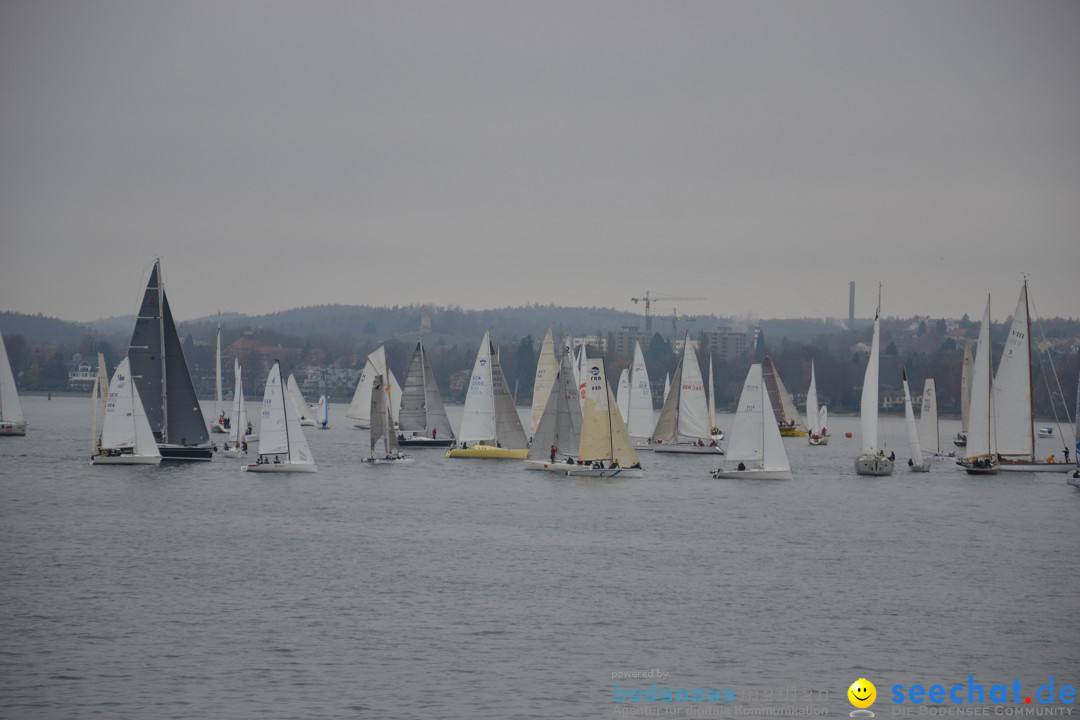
[476, 589]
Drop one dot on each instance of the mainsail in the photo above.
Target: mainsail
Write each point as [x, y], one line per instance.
[782, 403]
[422, 408]
[546, 368]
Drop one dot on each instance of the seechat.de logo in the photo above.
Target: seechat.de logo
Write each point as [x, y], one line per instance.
[862, 694]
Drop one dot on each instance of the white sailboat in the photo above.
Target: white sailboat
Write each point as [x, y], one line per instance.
[360, 407]
[783, 405]
[980, 454]
[12, 420]
[282, 445]
[929, 433]
[1013, 400]
[126, 437]
[755, 450]
[241, 434]
[639, 416]
[967, 370]
[99, 398]
[382, 432]
[547, 366]
[817, 432]
[683, 426]
[303, 412]
[916, 463]
[604, 449]
[717, 433]
[557, 439]
[490, 419]
[422, 420]
[220, 423]
[322, 413]
[872, 459]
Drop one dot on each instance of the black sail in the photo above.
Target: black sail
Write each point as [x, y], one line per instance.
[174, 388]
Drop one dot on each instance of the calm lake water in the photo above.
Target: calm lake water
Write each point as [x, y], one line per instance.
[475, 589]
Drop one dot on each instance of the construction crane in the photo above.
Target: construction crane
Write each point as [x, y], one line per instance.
[649, 299]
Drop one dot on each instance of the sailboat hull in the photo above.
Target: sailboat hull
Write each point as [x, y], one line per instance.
[873, 465]
[818, 440]
[216, 427]
[582, 471]
[752, 474]
[679, 449]
[13, 428]
[792, 432]
[186, 452]
[233, 453]
[488, 452]
[125, 460]
[921, 467]
[424, 441]
[280, 468]
[1029, 466]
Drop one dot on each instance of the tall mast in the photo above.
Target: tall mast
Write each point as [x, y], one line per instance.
[1031, 382]
[285, 409]
[161, 354]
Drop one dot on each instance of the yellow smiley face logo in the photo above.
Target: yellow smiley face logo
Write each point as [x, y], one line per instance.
[862, 693]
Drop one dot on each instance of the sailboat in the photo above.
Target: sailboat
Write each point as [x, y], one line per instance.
[556, 442]
[1013, 399]
[12, 421]
[717, 433]
[547, 366]
[683, 426]
[755, 450]
[490, 419]
[220, 423]
[817, 432]
[916, 462]
[639, 415]
[99, 399]
[980, 455]
[126, 437]
[322, 413]
[422, 420]
[360, 407]
[162, 377]
[240, 430]
[604, 449]
[966, 372]
[282, 445]
[790, 423]
[872, 459]
[929, 434]
[304, 413]
[382, 426]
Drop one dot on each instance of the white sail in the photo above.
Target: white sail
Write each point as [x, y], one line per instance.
[1013, 421]
[125, 427]
[300, 407]
[814, 422]
[912, 429]
[622, 397]
[712, 397]
[322, 411]
[868, 407]
[693, 406]
[382, 422]
[782, 403]
[622, 448]
[639, 418]
[981, 441]
[582, 370]
[422, 411]
[360, 407]
[966, 371]
[99, 397]
[478, 416]
[10, 407]
[667, 386]
[928, 418]
[280, 433]
[603, 433]
[238, 424]
[547, 366]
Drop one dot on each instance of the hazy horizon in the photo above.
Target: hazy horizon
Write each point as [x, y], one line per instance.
[485, 155]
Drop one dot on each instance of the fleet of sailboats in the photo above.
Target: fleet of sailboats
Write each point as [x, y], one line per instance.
[872, 460]
[755, 448]
[282, 445]
[12, 421]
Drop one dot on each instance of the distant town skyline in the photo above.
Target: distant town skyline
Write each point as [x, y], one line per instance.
[483, 154]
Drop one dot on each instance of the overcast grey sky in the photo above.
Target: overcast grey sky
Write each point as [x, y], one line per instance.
[762, 154]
